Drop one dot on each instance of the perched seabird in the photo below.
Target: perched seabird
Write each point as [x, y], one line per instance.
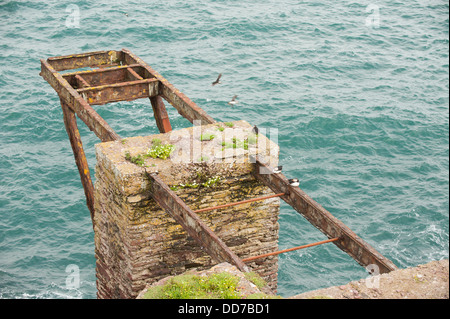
[277, 169]
[233, 101]
[255, 130]
[294, 182]
[218, 80]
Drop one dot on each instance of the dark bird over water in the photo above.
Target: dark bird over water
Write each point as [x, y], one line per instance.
[233, 100]
[255, 130]
[218, 80]
[294, 182]
[277, 169]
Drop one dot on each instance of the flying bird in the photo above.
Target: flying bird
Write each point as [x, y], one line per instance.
[277, 169]
[294, 182]
[218, 80]
[233, 100]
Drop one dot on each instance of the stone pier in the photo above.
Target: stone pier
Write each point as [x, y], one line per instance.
[137, 243]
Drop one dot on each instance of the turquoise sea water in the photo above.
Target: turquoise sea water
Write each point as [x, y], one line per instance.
[358, 91]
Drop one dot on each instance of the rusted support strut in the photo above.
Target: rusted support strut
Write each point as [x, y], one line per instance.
[238, 203]
[160, 112]
[192, 224]
[70, 122]
[289, 249]
[323, 220]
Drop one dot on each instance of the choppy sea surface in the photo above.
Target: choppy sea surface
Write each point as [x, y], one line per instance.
[358, 91]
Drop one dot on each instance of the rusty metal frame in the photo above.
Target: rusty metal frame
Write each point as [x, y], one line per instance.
[120, 76]
[323, 220]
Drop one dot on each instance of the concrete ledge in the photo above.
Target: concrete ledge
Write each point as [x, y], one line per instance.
[428, 281]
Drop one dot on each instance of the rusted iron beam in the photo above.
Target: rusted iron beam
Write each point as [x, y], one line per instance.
[187, 108]
[124, 91]
[192, 224]
[81, 82]
[99, 71]
[70, 123]
[289, 249]
[74, 100]
[90, 59]
[99, 77]
[238, 203]
[160, 113]
[137, 76]
[323, 220]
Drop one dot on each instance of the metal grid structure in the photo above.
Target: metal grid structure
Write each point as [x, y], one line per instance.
[121, 76]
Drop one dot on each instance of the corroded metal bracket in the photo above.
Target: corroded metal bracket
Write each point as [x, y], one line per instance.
[323, 220]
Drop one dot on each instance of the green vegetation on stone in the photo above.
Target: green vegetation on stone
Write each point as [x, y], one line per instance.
[156, 151]
[215, 286]
[207, 137]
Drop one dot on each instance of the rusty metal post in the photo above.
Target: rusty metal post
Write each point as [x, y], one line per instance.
[70, 123]
[160, 112]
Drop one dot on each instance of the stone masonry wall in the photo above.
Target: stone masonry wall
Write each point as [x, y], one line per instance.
[137, 243]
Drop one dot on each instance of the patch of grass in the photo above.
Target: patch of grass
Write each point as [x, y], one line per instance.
[255, 278]
[157, 151]
[215, 286]
[320, 297]
[188, 185]
[138, 160]
[261, 295]
[252, 138]
[236, 143]
[211, 181]
[220, 128]
[229, 124]
[156, 142]
[207, 137]
[160, 151]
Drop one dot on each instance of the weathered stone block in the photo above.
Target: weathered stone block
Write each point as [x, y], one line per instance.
[138, 243]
